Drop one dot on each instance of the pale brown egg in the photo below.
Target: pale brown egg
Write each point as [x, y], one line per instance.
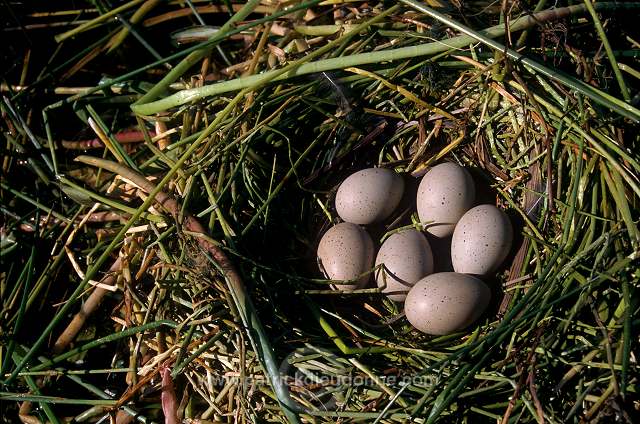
[445, 193]
[406, 257]
[481, 241]
[446, 302]
[369, 196]
[346, 252]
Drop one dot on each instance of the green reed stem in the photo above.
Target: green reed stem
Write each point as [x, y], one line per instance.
[99, 342]
[607, 47]
[22, 397]
[93, 22]
[186, 96]
[197, 55]
[594, 94]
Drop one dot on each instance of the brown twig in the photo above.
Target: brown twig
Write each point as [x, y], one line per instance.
[87, 308]
[180, 13]
[534, 392]
[168, 398]
[514, 397]
[130, 136]
[50, 221]
[190, 223]
[24, 414]
[525, 378]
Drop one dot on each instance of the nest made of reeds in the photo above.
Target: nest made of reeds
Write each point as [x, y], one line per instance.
[169, 167]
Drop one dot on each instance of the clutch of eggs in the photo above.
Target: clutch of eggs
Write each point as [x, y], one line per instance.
[436, 304]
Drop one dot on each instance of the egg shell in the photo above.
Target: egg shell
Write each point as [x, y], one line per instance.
[445, 193]
[344, 253]
[446, 302]
[407, 258]
[481, 241]
[369, 196]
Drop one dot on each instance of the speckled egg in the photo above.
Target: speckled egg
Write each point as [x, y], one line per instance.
[445, 193]
[407, 258]
[446, 302]
[369, 196]
[481, 241]
[346, 252]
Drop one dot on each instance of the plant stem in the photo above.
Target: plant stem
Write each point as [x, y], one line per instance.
[598, 96]
[186, 96]
[197, 55]
[110, 14]
[138, 15]
[209, 43]
[22, 397]
[99, 342]
[219, 259]
[607, 47]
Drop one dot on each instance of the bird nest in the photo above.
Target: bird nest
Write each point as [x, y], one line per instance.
[168, 230]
